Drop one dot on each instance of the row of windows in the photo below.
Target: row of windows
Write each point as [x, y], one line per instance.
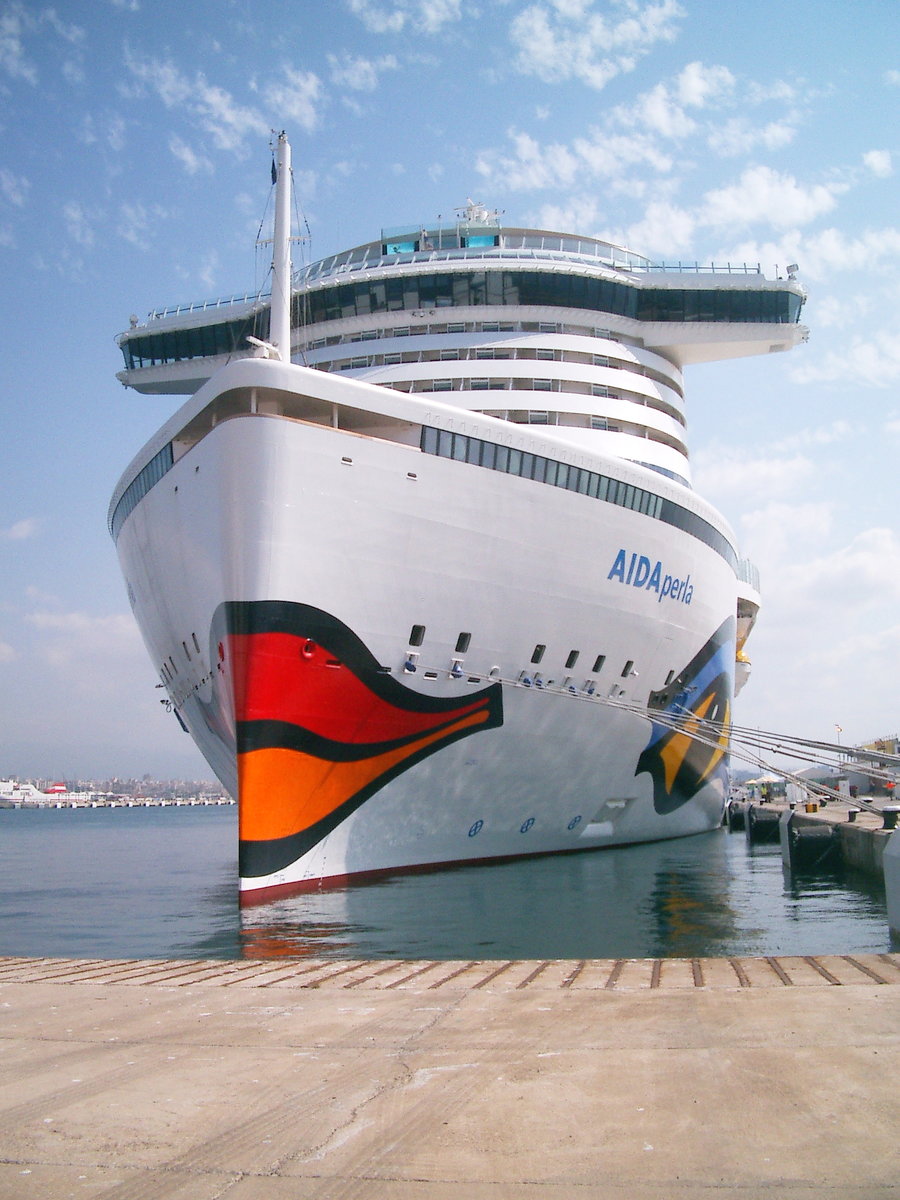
[432, 328]
[477, 288]
[486, 454]
[169, 670]
[417, 637]
[148, 475]
[495, 384]
[225, 337]
[495, 354]
[477, 452]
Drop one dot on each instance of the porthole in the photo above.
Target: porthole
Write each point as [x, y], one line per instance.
[627, 669]
[196, 643]
[539, 652]
[572, 659]
[598, 663]
[462, 643]
[417, 635]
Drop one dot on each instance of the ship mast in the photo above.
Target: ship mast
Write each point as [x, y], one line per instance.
[280, 317]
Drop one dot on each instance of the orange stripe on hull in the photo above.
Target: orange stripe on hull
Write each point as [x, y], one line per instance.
[283, 792]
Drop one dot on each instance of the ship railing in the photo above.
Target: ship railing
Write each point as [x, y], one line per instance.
[177, 310]
[329, 269]
[748, 572]
[696, 268]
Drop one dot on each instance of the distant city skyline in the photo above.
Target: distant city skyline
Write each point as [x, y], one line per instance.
[134, 172]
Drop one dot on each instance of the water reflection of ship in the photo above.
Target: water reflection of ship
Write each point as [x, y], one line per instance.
[660, 899]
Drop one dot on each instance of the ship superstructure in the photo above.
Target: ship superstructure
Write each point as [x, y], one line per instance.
[435, 587]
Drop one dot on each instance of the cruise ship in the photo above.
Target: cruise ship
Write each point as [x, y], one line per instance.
[419, 561]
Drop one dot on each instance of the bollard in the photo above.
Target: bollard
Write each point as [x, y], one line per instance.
[889, 815]
[851, 815]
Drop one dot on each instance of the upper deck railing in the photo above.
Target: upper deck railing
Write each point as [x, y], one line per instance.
[319, 272]
[464, 241]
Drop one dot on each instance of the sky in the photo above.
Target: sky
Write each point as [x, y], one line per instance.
[135, 172]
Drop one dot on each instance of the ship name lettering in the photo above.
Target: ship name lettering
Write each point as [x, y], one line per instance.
[636, 570]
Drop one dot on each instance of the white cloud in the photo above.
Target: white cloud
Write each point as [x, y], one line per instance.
[71, 637]
[532, 165]
[13, 23]
[14, 188]
[698, 85]
[115, 133]
[658, 111]
[427, 16]
[192, 162]
[294, 99]
[738, 135]
[573, 41]
[78, 223]
[135, 222]
[820, 254]
[665, 230]
[868, 568]
[7, 653]
[822, 435]
[763, 194]
[74, 34]
[723, 473]
[112, 131]
[879, 163]
[73, 72]
[662, 110]
[773, 535]
[213, 108]
[20, 530]
[892, 78]
[874, 361]
[360, 74]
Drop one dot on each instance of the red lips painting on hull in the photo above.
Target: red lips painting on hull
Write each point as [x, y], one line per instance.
[321, 726]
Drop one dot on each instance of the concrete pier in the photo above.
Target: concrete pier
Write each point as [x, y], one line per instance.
[861, 841]
[626, 1079]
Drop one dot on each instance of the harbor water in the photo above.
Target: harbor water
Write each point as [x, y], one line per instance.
[162, 883]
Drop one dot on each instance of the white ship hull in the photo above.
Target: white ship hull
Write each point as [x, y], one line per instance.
[449, 597]
[281, 566]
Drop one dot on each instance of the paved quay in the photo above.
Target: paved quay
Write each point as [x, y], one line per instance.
[351, 1080]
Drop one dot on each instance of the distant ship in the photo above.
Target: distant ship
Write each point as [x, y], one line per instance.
[419, 562]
